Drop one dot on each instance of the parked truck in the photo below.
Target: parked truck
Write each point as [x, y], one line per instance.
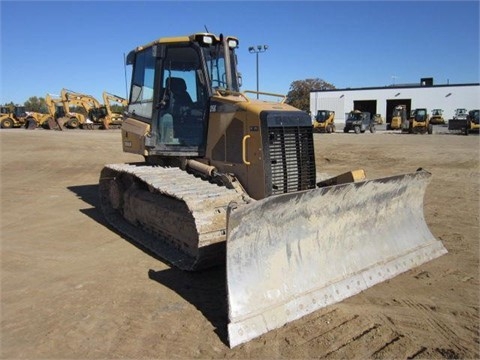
[359, 122]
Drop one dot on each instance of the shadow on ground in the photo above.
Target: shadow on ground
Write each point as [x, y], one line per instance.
[206, 289]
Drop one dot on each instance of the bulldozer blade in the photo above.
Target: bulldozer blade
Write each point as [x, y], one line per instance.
[292, 254]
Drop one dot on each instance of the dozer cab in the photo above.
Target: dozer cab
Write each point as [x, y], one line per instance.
[324, 121]
[231, 180]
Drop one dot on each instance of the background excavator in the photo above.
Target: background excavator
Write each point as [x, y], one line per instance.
[101, 115]
[57, 109]
[112, 118]
[89, 103]
[232, 180]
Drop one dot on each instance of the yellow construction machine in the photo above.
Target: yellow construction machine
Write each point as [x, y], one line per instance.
[324, 121]
[12, 116]
[112, 118]
[420, 122]
[101, 115]
[464, 122]
[17, 116]
[437, 117]
[57, 109]
[399, 119]
[231, 179]
[378, 119]
[35, 119]
[87, 102]
[473, 121]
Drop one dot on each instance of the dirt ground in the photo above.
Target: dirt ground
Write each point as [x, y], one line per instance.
[73, 288]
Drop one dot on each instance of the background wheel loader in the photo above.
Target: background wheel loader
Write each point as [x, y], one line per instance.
[16, 116]
[465, 124]
[12, 116]
[232, 180]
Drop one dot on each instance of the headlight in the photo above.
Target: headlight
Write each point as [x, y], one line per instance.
[206, 40]
[232, 43]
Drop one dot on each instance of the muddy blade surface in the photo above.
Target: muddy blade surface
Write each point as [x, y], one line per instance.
[290, 255]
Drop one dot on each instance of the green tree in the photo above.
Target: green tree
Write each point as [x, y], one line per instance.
[36, 104]
[78, 110]
[119, 109]
[299, 93]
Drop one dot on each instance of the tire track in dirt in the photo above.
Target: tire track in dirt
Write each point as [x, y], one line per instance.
[342, 333]
[427, 321]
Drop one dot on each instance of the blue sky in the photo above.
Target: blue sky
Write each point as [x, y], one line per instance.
[79, 45]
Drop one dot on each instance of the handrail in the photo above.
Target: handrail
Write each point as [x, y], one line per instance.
[244, 150]
[284, 97]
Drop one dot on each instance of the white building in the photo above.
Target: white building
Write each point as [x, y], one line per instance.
[382, 100]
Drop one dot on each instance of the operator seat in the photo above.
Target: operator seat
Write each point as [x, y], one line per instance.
[181, 102]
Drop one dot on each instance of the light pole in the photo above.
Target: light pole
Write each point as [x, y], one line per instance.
[257, 50]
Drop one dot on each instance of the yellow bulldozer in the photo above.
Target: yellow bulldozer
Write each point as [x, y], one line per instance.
[231, 180]
[324, 121]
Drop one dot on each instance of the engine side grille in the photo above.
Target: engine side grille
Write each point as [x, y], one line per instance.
[291, 159]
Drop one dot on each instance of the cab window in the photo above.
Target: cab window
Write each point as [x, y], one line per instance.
[141, 95]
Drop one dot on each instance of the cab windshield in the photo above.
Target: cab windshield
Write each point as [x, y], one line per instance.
[217, 67]
[354, 116]
[321, 116]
